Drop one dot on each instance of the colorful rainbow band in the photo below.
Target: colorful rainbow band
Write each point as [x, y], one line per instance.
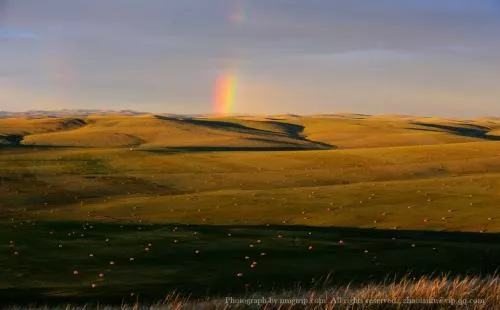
[225, 93]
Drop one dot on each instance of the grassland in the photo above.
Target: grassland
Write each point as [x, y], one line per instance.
[357, 197]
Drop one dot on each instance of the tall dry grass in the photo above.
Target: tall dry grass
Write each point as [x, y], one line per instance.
[423, 293]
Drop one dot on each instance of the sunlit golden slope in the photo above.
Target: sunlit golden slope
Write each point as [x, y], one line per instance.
[156, 131]
[25, 126]
[494, 133]
[366, 131]
[370, 187]
[264, 132]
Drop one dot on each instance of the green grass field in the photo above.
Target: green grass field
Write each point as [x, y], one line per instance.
[355, 197]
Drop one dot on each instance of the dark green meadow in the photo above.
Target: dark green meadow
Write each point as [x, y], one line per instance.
[98, 262]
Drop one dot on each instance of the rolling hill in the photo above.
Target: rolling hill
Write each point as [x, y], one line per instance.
[258, 133]
[110, 207]
[366, 168]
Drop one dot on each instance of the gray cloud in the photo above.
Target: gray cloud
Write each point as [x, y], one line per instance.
[17, 34]
[168, 53]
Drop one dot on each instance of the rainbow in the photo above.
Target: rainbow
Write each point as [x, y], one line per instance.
[237, 12]
[225, 93]
[226, 85]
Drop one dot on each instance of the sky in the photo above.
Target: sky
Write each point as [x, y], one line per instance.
[422, 57]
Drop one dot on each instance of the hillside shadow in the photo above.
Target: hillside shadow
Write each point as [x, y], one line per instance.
[24, 147]
[477, 131]
[297, 132]
[202, 149]
[220, 125]
[10, 140]
[15, 142]
[291, 131]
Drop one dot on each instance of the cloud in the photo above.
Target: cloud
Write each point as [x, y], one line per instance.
[17, 34]
[294, 54]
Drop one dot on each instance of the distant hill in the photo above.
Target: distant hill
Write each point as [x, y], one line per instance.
[104, 129]
[68, 112]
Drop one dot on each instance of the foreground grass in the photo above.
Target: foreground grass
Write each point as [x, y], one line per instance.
[408, 293]
[425, 292]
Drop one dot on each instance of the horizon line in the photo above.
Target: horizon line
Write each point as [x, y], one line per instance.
[111, 111]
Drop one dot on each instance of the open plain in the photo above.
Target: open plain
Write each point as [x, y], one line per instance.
[113, 209]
